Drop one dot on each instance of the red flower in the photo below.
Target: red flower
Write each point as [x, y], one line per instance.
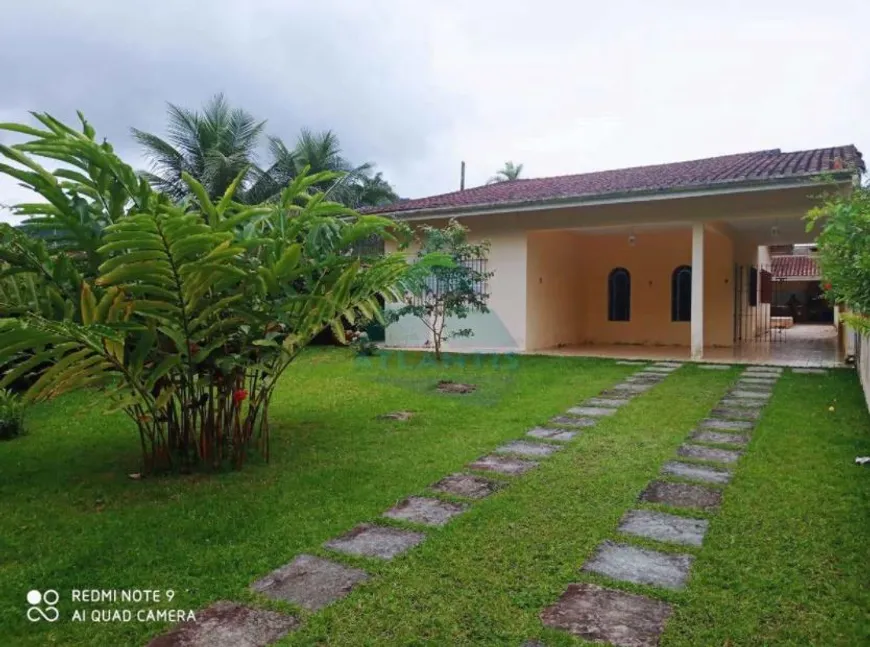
[828, 286]
[239, 396]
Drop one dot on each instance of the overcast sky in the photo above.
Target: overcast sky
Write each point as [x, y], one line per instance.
[563, 87]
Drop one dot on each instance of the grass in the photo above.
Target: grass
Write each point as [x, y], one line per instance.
[784, 561]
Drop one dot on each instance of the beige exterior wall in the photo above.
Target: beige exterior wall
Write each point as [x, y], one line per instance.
[555, 290]
[504, 327]
[551, 268]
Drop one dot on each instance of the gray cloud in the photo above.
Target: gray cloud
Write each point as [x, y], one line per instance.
[417, 87]
[321, 66]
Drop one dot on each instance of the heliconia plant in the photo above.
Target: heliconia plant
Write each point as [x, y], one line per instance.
[186, 315]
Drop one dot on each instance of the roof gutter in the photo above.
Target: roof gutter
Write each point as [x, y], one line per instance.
[615, 198]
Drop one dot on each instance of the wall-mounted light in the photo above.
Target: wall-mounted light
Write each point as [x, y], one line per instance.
[631, 239]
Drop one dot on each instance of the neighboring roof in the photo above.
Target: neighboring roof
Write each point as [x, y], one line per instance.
[743, 169]
[794, 267]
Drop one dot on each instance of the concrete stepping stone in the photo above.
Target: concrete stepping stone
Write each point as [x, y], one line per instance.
[632, 388]
[661, 369]
[425, 511]
[709, 454]
[736, 413]
[502, 465]
[613, 393]
[571, 421]
[719, 438]
[607, 402]
[681, 495]
[645, 378]
[727, 425]
[696, 472]
[466, 485]
[631, 362]
[368, 540]
[646, 375]
[640, 565]
[669, 364]
[547, 433]
[715, 367]
[227, 624]
[531, 450]
[592, 412]
[768, 370]
[741, 403]
[596, 614]
[311, 582]
[809, 371]
[749, 379]
[749, 395]
[664, 527]
[757, 388]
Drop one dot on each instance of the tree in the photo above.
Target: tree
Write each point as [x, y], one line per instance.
[193, 311]
[316, 152]
[438, 292]
[371, 191]
[213, 146]
[843, 221]
[508, 173]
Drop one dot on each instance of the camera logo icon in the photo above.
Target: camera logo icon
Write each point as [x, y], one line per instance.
[37, 600]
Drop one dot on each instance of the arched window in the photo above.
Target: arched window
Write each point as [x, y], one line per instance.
[619, 295]
[681, 294]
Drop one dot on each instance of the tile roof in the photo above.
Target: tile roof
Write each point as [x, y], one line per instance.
[759, 167]
[794, 266]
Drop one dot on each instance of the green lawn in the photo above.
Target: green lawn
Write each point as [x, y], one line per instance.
[785, 560]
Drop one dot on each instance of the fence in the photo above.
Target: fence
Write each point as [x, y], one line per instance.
[858, 346]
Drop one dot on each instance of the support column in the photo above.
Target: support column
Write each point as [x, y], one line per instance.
[697, 343]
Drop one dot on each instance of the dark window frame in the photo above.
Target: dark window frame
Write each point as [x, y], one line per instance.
[619, 295]
[681, 293]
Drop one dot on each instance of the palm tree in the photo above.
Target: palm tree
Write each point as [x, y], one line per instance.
[371, 191]
[508, 173]
[213, 146]
[320, 151]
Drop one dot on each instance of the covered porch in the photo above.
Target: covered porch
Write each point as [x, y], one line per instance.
[669, 290]
[805, 345]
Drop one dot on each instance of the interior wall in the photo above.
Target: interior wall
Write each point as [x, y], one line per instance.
[554, 290]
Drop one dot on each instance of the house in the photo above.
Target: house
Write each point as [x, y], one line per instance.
[671, 256]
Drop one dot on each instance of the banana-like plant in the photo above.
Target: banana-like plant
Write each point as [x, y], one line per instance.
[184, 315]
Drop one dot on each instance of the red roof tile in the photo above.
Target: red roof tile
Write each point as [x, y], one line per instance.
[794, 266]
[759, 167]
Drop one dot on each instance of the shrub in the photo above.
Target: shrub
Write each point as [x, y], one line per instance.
[185, 314]
[11, 415]
[843, 219]
[360, 342]
[445, 290]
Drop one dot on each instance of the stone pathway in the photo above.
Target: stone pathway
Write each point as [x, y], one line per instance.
[227, 624]
[627, 620]
[313, 582]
